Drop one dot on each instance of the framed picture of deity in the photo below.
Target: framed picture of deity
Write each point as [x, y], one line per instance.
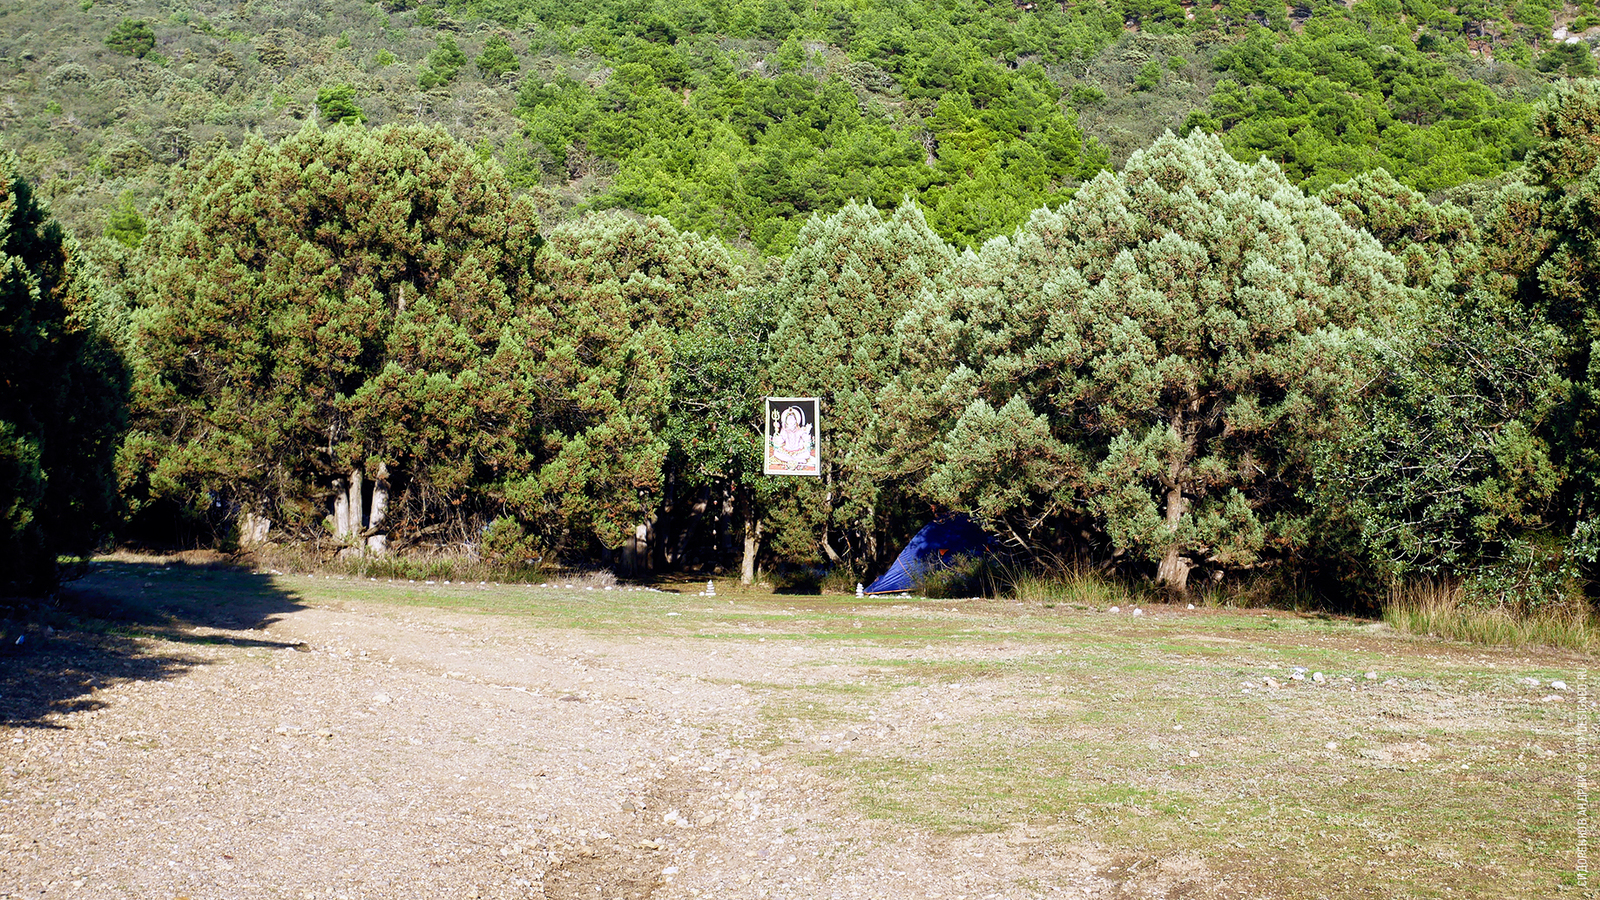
[793, 436]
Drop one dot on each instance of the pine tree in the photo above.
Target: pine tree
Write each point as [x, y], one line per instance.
[132, 37]
[337, 103]
[497, 58]
[852, 275]
[125, 225]
[1438, 243]
[444, 63]
[317, 314]
[1160, 355]
[612, 293]
[63, 395]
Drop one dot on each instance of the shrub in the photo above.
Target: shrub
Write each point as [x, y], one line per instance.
[497, 59]
[1149, 77]
[1532, 576]
[132, 37]
[337, 103]
[1445, 608]
[506, 544]
[799, 580]
[965, 576]
[1087, 95]
[842, 580]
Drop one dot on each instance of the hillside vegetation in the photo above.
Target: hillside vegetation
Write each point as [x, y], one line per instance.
[741, 119]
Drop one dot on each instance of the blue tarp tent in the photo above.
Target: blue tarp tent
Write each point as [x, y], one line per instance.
[935, 547]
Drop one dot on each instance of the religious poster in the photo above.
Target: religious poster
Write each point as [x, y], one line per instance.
[793, 432]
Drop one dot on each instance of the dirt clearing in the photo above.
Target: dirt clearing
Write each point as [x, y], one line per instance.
[245, 735]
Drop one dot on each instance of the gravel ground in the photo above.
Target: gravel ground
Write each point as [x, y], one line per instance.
[354, 750]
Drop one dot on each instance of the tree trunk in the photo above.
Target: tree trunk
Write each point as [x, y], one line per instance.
[827, 548]
[253, 529]
[341, 509]
[380, 497]
[752, 539]
[1173, 570]
[358, 505]
[636, 550]
[377, 536]
[827, 520]
[872, 532]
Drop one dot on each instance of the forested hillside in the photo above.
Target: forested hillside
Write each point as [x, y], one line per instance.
[741, 119]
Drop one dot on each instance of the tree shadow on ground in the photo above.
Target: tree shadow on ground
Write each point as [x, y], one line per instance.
[128, 621]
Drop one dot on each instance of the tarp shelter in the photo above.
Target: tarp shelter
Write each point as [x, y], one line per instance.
[933, 548]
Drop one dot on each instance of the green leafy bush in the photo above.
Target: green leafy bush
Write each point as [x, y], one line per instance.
[507, 545]
[965, 576]
[1149, 77]
[1572, 60]
[337, 103]
[444, 63]
[497, 59]
[132, 37]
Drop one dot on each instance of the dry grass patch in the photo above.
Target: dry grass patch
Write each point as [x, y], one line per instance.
[1443, 609]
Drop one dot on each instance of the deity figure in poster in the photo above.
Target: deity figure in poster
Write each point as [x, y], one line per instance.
[795, 444]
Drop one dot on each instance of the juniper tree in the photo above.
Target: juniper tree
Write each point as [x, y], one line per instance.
[1449, 456]
[850, 277]
[1539, 243]
[1437, 243]
[316, 313]
[1158, 355]
[611, 293]
[63, 394]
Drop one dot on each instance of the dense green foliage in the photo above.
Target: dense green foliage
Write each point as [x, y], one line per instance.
[612, 293]
[62, 396]
[1158, 357]
[742, 120]
[1477, 449]
[337, 103]
[840, 294]
[331, 304]
[1351, 93]
[1191, 366]
[132, 37]
[497, 59]
[535, 306]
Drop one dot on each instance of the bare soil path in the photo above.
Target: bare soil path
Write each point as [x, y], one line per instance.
[307, 742]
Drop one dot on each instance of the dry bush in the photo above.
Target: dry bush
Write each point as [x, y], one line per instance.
[1444, 608]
